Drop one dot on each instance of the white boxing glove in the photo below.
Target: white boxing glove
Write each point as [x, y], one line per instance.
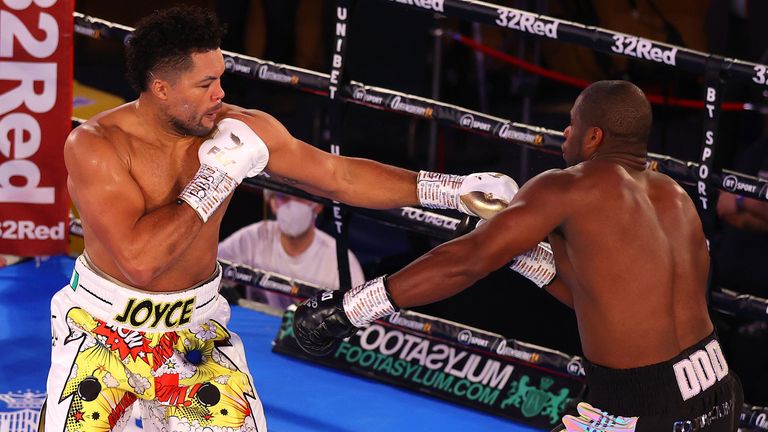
[479, 194]
[537, 265]
[233, 152]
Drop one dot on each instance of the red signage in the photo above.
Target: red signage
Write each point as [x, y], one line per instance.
[35, 118]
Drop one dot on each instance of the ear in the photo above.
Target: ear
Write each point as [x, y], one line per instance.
[317, 208]
[159, 88]
[594, 139]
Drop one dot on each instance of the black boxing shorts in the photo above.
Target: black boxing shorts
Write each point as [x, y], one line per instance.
[695, 391]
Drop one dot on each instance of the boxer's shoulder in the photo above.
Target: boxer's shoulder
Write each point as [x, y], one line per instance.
[106, 135]
[665, 183]
[553, 181]
[593, 178]
[113, 125]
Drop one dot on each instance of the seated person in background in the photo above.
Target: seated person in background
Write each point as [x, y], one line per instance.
[739, 252]
[291, 246]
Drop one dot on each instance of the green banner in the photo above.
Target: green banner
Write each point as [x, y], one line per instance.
[412, 357]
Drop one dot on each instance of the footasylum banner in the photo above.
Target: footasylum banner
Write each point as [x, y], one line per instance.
[458, 363]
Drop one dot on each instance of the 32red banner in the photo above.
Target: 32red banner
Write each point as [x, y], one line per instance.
[35, 113]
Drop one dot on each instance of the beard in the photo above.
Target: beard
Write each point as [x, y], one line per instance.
[189, 127]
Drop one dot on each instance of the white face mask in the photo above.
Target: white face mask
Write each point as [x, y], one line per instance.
[295, 218]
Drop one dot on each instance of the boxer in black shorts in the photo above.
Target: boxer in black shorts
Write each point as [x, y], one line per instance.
[631, 260]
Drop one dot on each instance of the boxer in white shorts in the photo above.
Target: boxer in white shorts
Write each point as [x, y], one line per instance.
[150, 180]
[169, 353]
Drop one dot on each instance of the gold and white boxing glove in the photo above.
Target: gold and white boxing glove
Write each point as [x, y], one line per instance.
[479, 194]
[233, 152]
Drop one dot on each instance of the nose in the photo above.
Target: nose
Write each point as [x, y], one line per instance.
[218, 91]
[566, 134]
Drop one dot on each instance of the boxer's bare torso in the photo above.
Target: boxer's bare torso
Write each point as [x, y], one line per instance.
[628, 244]
[632, 253]
[121, 170]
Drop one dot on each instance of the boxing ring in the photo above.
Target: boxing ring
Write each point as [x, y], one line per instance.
[25, 290]
[279, 378]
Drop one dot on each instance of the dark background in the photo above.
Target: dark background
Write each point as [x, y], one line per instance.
[393, 47]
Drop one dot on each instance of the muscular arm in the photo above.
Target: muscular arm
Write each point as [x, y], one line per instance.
[355, 181]
[536, 210]
[754, 216]
[758, 209]
[111, 205]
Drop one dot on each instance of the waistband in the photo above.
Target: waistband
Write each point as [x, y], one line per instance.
[662, 386]
[128, 307]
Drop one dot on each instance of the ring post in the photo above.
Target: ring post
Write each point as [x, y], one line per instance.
[713, 95]
[340, 212]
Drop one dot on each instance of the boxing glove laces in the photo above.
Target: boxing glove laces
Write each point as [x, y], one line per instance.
[322, 321]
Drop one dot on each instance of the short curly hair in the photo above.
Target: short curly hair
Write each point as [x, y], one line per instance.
[166, 40]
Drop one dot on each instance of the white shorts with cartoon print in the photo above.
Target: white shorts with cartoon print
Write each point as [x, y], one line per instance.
[168, 354]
